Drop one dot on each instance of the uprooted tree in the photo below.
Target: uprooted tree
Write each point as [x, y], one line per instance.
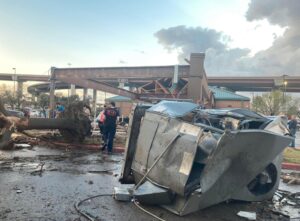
[74, 124]
[275, 103]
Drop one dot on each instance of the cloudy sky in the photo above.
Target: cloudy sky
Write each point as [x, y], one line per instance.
[248, 37]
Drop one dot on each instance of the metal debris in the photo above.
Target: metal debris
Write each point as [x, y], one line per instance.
[151, 194]
[209, 162]
[287, 204]
[247, 215]
[40, 171]
[123, 193]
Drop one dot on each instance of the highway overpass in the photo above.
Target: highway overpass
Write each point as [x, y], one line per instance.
[235, 83]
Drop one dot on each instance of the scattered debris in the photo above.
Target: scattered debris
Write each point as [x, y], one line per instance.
[292, 178]
[22, 146]
[286, 204]
[105, 171]
[123, 193]
[247, 215]
[40, 171]
[90, 182]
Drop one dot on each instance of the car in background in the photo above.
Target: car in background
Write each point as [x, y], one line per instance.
[34, 113]
[15, 113]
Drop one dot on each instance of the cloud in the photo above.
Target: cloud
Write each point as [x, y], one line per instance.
[140, 51]
[277, 12]
[122, 62]
[281, 58]
[219, 57]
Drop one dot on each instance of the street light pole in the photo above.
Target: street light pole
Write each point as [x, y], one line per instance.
[14, 80]
[284, 92]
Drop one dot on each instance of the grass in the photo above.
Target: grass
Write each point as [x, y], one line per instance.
[290, 155]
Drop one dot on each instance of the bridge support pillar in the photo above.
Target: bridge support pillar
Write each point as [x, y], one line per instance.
[94, 100]
[85, 90]
[73, 90]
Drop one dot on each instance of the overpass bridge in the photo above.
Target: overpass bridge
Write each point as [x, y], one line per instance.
[23, 77]
[180, 81]
[250, 84]
[240, 83]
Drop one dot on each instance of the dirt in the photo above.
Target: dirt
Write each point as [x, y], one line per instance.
[291, 155]
[44, 183]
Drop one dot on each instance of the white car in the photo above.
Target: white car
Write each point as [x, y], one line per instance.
[34, 113]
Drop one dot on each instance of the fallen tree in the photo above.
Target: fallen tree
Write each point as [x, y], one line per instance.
[74, 125]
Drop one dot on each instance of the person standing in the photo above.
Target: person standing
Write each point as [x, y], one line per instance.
[111, 115]
[87, 110]
[44, 112]
[60, 109]
[101, 120]
[293, 129]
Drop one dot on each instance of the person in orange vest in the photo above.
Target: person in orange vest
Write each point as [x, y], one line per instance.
[101, 120]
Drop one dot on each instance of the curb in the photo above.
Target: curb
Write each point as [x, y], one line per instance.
[291, 166]
[89, 146]
[119, 149]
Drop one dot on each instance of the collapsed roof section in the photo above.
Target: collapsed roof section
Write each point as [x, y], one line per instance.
[163, 82]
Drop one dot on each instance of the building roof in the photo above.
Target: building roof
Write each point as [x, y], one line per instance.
[224, 95]
[220, 94]
[118, 99]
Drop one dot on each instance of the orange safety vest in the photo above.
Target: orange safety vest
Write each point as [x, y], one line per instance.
[102, 117]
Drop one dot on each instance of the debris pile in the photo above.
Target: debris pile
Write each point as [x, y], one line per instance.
[186, 159]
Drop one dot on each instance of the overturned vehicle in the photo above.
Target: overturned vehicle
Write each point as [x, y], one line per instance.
[186, 159]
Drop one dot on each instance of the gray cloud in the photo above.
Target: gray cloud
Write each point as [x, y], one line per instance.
[277, 12]
[219, 57]
[281, 58]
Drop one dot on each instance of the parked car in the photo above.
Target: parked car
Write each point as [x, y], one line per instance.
[34, 113]
[15, 113]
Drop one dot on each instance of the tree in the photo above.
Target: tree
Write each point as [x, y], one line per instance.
[275, 103]
[67, 100]
[43, 100]
[9, 99]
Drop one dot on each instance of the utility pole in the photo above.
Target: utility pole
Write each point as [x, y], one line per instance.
[14, 78]
[285, 83]
[52, 92]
